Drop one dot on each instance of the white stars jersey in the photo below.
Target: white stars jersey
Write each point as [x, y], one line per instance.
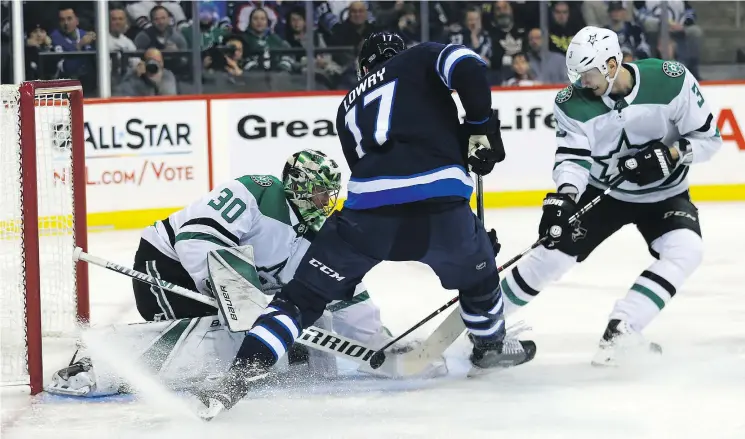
[592, 133]
[250, 210]
[253, 210]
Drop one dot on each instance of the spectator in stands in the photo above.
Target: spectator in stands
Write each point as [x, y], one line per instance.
[213, 28]
[507, 39]
[408, 26]
[387, 13]
[521, 75]
[149, 78]
[161, 35]
[352, 31]
[141, 13]
[628, 54]
[527, 14]
[296, 29]
[261, 41]
[227, 58]
[473, 36]
[70, 38]
[118, 25]
[244, 10]
[562, 27]
[684, 31]
[595, 13]
[38, 41]
[548, 67]
[630, 35]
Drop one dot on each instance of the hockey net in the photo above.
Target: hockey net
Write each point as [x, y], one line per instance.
[42, 218]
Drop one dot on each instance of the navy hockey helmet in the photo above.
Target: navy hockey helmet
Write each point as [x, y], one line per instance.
[378, 47]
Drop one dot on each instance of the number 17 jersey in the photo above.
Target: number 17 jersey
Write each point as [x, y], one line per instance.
[400, 131]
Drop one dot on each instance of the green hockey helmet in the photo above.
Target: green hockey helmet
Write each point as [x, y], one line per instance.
[312, 182]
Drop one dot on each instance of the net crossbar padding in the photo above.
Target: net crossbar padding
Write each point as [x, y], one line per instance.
[44, 293]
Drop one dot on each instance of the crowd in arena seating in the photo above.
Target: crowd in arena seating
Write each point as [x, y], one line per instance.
[242, 41]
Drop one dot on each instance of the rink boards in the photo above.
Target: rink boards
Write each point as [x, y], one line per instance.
[146, 158]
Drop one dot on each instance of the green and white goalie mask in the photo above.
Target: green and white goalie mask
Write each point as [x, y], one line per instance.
[312, 181]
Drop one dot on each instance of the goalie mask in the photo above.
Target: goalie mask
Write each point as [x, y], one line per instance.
[587, 58]
[312, 181]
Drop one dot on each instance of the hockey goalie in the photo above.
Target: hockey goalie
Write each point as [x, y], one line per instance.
[247, 236]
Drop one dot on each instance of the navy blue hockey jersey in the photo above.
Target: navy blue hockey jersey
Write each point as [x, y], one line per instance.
[400, 131]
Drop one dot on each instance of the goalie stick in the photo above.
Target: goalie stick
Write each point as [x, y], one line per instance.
[313, 337]
[452, 327]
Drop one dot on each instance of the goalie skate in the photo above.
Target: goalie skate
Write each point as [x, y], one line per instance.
[77, 379]
[621, 343]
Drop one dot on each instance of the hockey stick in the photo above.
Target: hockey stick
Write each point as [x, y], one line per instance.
[312, 337]
[451, 328]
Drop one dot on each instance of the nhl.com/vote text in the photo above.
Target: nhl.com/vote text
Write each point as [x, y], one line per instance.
[150, 171]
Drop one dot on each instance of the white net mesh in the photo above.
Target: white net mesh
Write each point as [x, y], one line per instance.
[55, 221]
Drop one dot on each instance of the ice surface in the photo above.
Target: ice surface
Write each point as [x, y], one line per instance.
[696, 389]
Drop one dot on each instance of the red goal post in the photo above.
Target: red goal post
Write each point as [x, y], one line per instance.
[42, 219]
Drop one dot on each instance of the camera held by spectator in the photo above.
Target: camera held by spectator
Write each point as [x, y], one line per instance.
[228, 57]
[149, 78]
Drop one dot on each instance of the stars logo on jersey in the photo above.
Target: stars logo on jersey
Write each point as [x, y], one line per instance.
[564, 95]
[262, 180]
[609, 162]
[673, 69]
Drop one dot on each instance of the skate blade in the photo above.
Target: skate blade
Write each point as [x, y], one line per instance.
[81, 392]
[611, 358]
[213, 409]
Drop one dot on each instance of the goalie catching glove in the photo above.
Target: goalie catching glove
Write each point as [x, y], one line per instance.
[485, 147]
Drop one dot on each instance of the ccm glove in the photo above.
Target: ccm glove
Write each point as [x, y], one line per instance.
[648, 165]
[485, 147]
[557, 209]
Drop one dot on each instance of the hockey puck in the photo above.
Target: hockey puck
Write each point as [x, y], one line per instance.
[377, 359]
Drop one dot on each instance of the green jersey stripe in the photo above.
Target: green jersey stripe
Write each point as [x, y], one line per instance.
[347, 303]
[584, 163]
[650, 294]
[184, 236]
[212, 223]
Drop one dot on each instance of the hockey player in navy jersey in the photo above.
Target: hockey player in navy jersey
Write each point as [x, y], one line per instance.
[407, 201]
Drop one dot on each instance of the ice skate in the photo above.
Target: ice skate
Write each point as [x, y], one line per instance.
[619, 341]
[77, 379]
[489, 355]
[222, 393]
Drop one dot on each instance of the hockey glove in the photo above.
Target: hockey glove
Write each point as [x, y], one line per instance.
[485, 147]
[648, 165]
[495, 245]
[557, 208]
